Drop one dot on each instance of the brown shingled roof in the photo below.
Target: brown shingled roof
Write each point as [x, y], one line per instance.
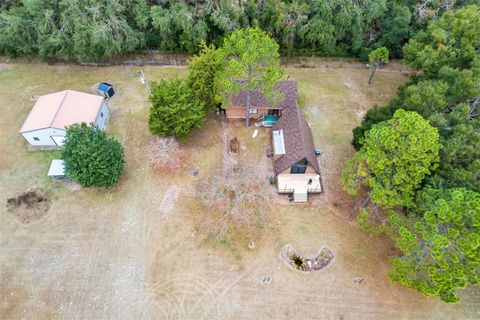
[298, 140]
[257, 99]
[296, 131]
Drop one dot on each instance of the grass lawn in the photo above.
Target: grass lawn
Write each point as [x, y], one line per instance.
[113, 254]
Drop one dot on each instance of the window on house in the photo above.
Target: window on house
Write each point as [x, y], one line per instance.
[36, 139]
[299, 167]
[253, 111]
[273, 112]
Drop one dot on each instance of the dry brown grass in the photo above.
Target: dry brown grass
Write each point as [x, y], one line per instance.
[114, 255]
[234, 199]
[233, 208]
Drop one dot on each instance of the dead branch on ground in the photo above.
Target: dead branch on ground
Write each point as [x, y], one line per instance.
[166, 154]
[234, 206]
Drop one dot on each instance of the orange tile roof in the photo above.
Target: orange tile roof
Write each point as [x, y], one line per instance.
[61, 109]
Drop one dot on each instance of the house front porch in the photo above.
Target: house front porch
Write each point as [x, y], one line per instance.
[300, 185]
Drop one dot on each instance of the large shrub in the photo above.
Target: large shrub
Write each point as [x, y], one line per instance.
[175, 111]
[201, 78]
[91, 157]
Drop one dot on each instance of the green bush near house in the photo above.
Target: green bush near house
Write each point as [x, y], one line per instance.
[175, 111]
[91, 157]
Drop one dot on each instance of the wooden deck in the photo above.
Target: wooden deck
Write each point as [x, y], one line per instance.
[299, 183]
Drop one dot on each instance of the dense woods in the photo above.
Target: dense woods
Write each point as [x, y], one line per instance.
[424, 185]
[92, 30]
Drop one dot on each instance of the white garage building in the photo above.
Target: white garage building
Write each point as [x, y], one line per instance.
[46, 122]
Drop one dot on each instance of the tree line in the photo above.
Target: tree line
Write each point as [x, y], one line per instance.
[419, 161]
[92, 30]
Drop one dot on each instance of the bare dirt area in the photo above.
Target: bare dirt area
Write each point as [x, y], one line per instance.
[136, 252]
[29, 205]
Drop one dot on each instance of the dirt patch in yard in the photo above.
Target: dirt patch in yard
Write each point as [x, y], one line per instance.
[169, 199]
[29, 205]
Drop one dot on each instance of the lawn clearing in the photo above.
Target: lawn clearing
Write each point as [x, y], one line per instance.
[136, 251]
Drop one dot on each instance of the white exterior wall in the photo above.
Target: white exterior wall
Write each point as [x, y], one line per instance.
[44, 136]
[101, 121]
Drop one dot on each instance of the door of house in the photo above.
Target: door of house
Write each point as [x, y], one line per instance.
[59, 140]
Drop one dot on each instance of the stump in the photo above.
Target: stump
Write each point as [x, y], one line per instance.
[234, 146]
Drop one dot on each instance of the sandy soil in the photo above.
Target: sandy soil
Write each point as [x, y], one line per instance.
[114, 255]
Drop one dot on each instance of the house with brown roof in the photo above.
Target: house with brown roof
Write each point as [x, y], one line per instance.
[46, 123]
[259, 106]
[294, 158]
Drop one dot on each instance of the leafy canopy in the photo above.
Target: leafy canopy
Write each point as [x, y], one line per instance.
[175, 109]
[176, 27]
[439, 235]
[398, 27]
[249, 60]
[91, 158]
[447, 94]
[395, 157]
[378, 57]
[451, 41]
[84, 30]
[440, 250]
[459, 157]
